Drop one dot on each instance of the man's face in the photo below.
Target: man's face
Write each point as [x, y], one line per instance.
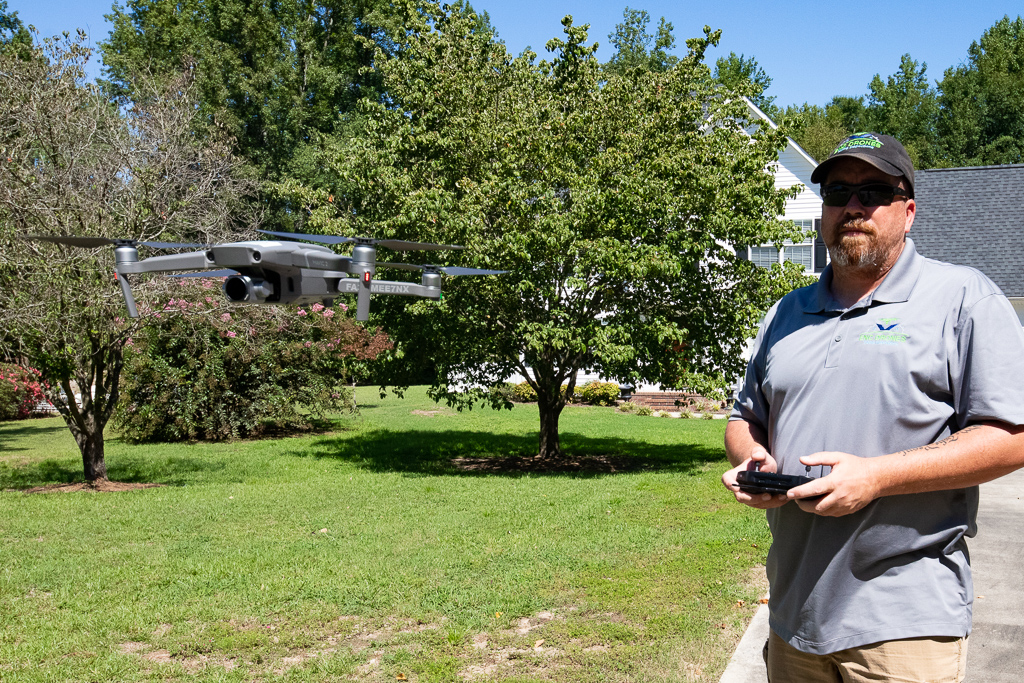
[865, 237]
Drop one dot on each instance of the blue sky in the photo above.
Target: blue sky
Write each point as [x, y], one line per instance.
[811, 50]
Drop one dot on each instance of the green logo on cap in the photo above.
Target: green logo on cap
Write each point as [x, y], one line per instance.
[858, 140]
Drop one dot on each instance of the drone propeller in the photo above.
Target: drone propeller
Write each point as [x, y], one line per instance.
[90, 242]
[453, 271]
[397, 245]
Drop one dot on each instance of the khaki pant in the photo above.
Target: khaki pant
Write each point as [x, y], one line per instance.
[915, 660]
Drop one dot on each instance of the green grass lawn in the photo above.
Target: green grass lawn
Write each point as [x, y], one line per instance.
[387, 550]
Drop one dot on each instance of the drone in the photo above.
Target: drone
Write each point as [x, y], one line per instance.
[273, 272]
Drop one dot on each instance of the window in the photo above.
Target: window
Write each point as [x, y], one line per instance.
[764, 257]
[803, 253]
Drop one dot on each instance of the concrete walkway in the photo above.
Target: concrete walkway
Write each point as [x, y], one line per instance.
[996, 650]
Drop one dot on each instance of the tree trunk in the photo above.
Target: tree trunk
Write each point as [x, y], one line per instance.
[550, 409]
[91, 446]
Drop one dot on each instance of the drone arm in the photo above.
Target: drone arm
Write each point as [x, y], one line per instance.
[129, 300]
[169, 262]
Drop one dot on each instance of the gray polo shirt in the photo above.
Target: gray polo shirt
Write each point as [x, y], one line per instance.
[934, 348]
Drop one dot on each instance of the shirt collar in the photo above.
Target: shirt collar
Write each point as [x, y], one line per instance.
[895, 287]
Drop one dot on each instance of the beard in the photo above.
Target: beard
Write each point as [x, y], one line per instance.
[868, 250]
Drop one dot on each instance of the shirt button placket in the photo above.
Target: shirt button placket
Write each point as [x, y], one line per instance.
[835, 345]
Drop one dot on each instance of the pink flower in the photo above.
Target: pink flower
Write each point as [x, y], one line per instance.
[302, 311]
[232, 335]
[225, 317]
[207, 284]
[317, 307]
[328, 313]
[343, 307]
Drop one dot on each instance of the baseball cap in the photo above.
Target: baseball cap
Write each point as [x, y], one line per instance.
[884, 152]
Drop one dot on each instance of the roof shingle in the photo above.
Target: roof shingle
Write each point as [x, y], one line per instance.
[974, 217]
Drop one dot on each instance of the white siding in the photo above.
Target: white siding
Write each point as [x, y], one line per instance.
[794, 169]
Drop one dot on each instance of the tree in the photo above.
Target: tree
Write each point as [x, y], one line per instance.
[73, 164]
[635, 48]
[981, 120]
[744, 75]
[613, 204]
[277, 76]
[13, 34]
[818, 130]
[905, 106]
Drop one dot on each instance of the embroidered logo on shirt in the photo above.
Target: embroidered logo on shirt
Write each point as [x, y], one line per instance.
[885, 331]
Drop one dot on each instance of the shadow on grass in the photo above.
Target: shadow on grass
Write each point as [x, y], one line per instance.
[26, 429]
[175, 471]
[485, 453]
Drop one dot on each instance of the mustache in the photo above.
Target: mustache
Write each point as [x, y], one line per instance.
[858, 224]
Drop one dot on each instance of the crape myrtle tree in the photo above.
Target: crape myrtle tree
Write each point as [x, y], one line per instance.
[72, 164]
[613, 204]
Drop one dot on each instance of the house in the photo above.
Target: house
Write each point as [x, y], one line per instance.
[794, 167]
[975, 217]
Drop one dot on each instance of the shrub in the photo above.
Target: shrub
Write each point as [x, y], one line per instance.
[600, 393]
[644, 411]
[628, 407]
[205, 370]
[523, 393]
[20, 391]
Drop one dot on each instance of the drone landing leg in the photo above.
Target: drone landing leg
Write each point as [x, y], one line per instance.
[127, 291]
[363, 301]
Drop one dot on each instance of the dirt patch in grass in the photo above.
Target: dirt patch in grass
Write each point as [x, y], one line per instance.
[101, 486]
[596, 464]
[431, 413]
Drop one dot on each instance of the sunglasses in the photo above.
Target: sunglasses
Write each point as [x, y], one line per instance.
[869, 194]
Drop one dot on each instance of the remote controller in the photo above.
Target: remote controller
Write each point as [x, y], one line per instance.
[755, 481]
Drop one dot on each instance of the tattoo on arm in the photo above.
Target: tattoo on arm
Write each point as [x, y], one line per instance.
[952, 438]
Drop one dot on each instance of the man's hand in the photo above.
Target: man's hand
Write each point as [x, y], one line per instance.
[850, 485]
[761, 501]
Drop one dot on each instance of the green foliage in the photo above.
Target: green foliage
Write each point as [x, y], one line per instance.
[628, 407]
[206, 371]
[609, 200]
[981, 120]
[14, 37]
[905, 106]
[745, 76]
[635, 48]
[644, 411]
[279, 77]
[600, 393]
[523, 393]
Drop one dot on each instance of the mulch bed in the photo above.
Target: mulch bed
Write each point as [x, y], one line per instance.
[100, 486]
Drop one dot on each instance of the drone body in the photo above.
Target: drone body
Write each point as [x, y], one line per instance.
[279, 272]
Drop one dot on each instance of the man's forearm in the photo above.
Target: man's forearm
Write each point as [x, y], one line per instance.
[974, 455]
[740, 439]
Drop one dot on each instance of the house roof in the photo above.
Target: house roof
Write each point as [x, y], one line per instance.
[974, 217]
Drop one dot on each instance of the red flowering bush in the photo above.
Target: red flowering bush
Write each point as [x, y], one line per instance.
[208, 370]
[20, 390]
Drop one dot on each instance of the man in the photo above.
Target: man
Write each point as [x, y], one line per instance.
[897, 383]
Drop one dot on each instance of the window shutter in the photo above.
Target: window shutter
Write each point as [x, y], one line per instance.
[820, 251]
